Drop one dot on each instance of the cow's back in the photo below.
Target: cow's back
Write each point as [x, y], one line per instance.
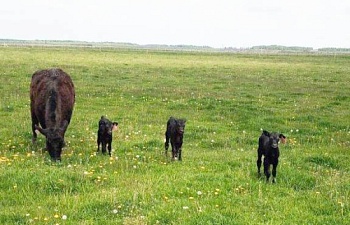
[45, 84]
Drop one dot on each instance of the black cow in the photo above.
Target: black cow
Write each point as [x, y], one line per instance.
[104, 134]
[174, 132]
[268, 146]
[52, 98]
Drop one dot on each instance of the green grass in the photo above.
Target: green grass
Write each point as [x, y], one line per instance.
[226, 99]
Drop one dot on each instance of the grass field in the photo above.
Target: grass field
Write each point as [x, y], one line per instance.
[226, 98]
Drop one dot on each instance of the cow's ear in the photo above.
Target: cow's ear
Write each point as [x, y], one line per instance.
[64, 125]
[41, 130]
[115, 126]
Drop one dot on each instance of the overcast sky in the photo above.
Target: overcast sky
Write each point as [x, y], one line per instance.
[218, 23]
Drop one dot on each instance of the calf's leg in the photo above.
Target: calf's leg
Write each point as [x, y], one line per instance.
[110, 148]
[98, 143]
[258, 162]
[274, 171]
[266, 169]
[166, 144]
[104, 145]
[173, 151]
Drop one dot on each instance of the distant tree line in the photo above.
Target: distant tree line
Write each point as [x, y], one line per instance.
[334, 49]
[282, 48]
[254, 49]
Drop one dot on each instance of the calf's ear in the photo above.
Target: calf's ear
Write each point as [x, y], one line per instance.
[283, 138]
[266, 133]
[115, 126]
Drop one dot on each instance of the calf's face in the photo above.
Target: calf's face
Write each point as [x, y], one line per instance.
[180, 126]
[274, 139]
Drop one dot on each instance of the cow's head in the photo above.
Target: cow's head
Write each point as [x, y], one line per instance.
[105, 126]
[54, 139]
[180, 126]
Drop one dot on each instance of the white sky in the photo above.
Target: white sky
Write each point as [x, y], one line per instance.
[219, 23]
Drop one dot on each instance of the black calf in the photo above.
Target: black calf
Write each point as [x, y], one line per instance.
[268, 146]
[174, 132]
[104, 138]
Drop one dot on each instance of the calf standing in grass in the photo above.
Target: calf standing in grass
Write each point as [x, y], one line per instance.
[175, 132]
[104, 134]
[268, 146]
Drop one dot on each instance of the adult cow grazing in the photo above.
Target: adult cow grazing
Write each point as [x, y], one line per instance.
[52, 98]
[175, 132]
[268, 146]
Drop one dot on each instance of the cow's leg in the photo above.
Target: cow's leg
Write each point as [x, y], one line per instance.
[266, 169]
[258, 162]
[274, 171]
[34, 122]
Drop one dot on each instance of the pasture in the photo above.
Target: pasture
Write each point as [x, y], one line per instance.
[226, 98]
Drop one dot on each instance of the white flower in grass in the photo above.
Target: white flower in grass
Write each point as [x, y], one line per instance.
[115, 211]
[185, 207]
[199, 193]
[64, 217]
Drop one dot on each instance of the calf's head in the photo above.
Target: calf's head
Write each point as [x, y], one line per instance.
[274, 139]
[105, 126]
[54, 140]
[180, 126]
